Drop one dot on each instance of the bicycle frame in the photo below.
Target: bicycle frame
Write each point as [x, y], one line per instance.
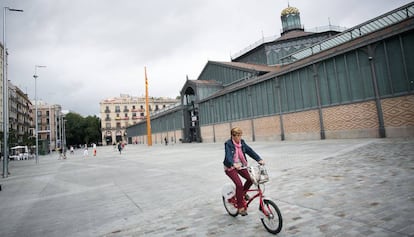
[258, 193]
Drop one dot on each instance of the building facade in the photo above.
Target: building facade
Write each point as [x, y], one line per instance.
[50, 124]
[20, 116]
[352, 84]
[118, 113]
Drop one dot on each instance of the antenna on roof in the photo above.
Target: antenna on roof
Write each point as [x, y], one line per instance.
[329, 21]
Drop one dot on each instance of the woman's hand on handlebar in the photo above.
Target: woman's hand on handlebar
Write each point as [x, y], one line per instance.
[237, 166]
[261, 162]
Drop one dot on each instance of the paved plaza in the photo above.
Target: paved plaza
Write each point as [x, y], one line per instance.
[355, 187]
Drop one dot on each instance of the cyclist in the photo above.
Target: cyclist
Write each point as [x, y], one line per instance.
[235, 158]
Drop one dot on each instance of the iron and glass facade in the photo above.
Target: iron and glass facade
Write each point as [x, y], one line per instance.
[346, 86]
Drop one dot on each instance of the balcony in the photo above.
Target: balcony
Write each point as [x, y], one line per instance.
[137, 117]
[107, 111]
[107, 119]
[126, 118]
[117, 118]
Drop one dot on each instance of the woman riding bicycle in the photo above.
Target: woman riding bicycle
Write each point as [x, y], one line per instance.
[235, 149]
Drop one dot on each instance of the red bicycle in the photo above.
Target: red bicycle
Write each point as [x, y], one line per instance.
[271, 216]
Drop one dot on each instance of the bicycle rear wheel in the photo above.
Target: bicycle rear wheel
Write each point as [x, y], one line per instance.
[273, 221]
[229, 205]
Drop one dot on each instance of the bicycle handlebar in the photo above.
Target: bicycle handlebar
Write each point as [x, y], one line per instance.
[245, 167]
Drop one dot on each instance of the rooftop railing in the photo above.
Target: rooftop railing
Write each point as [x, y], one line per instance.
[268, 39]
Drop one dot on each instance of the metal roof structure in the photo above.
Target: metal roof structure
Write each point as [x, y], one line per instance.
[360, 30]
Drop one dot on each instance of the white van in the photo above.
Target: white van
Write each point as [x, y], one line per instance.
[19, 153]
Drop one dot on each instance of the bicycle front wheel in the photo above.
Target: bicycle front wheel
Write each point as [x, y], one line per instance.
[273, 220]
[230, 206]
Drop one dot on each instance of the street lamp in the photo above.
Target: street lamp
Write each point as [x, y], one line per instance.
[36, 116]
[5, 97]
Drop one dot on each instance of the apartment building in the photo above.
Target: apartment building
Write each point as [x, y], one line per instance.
[20, 116]
[118, 113]
[50, 118]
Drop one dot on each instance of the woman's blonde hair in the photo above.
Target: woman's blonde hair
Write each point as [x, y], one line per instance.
[236, 131]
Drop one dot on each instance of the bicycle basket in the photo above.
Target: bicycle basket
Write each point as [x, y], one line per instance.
[258, 174]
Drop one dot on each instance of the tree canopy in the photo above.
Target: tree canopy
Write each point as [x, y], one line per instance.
[80, 130]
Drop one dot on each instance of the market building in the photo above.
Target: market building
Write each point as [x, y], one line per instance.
[336, 83]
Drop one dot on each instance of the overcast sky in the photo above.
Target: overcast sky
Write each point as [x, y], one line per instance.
[96, 49]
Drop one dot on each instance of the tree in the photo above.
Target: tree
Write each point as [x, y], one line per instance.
[80, 130]
[29, 140]
[93, 129]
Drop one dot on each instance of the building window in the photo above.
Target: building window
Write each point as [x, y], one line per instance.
[117, 109]
[156, 107]
[108, 125]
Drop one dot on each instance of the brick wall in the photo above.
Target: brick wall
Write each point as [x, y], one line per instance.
[267, 128]
[302, 125]
[222, 132]
[398, 116]
[207, 134]
[246, 126]
[351, 121]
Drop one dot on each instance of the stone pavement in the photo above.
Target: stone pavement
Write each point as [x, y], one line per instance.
[356, 187]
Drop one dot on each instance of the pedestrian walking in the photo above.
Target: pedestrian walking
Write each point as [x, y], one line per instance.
[85, 151]
[94, 149]
[119, 147]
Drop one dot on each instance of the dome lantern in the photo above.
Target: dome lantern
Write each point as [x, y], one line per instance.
[290, 17]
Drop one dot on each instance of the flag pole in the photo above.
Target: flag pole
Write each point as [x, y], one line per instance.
[149, 135]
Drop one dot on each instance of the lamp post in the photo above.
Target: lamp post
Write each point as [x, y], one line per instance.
[5, 97]
[36, 116]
